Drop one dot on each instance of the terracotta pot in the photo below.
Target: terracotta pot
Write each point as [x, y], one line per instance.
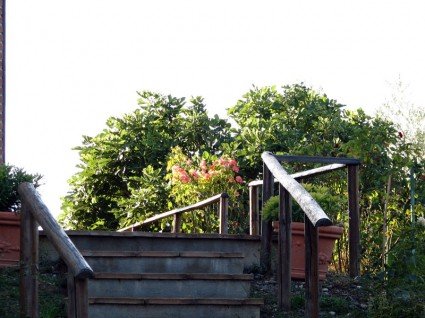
[327, 237]
[9, 238]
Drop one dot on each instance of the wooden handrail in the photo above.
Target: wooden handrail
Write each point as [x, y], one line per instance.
[222, 197]
[35, 212]
[289, 188]
[305, 174]
[315, 159]
[63, 244]
[310, 207]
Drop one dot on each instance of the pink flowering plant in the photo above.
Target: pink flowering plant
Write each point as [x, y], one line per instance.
[197, 178]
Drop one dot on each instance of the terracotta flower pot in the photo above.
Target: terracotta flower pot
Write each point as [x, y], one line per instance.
[327, 237]
[9, 239]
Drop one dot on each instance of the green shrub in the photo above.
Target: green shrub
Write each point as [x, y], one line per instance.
[331, 204]
[10, 178]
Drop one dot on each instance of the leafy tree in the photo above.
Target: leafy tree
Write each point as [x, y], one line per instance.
[299, 120]
[126, 161]
[296, 120]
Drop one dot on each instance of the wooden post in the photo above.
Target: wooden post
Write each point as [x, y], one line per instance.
[71, 313]
[253, 211]
[28, 284]
[224, 210]
[266, 225]
[311, 269]
[81, 298]
[177, 223]
[354, 223]
[284, 249]
[78, 300]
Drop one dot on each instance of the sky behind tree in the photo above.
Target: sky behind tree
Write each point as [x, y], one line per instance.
[72, 64]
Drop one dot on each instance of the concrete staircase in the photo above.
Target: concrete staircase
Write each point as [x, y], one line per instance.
[152, 275]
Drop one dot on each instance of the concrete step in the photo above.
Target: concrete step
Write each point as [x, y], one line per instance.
[170, 285]
[248, 245]
[174, 307]
[165, 261]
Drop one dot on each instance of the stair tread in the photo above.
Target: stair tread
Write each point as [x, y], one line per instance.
[187, 254]
[172, 276]
[175, 301]
[164, 235]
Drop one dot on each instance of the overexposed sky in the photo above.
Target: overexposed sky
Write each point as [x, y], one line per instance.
[72, 64]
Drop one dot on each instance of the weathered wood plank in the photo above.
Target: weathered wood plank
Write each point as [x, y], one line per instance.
[306, 174]
[311, 270]
[66, 249]
[266, 225]
[314, 159]
[224, 212]
[81, 298]
[162, 235]
[354, 220]
[28, 285]
[167, 254]
[71, 309]
[173, 276]
[310, 207]
[176, 301]
[284, 249]
[254, 218]
[177, 223]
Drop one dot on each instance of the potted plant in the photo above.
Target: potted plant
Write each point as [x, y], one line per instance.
[10, 204]
[331, 204]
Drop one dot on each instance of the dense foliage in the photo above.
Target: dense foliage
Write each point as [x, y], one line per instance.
[299, 120]
[122, 168]
[10, 178]
[332, 204]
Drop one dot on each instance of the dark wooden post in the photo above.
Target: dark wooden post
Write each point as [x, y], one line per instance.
[224, 210]
[266, 225]
[253, 211]
[81, 298]
[284, 249]
[71, 313]
[311, 269]
[354, 223]
[177, 223]
[78, 300]
[28, 284]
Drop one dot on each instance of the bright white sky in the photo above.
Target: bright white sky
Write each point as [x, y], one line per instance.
[73, 64]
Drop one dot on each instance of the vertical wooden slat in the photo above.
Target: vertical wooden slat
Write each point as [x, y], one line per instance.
[284, 249]
[354, 223]
[81, 298]
[71, 296]
[253, 211]
[28, 284]
[266, 225]
[311, 269]
[224, 210]
[177, 223]
[34, 264]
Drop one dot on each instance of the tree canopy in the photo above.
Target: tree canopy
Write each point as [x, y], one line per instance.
[122, 168]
